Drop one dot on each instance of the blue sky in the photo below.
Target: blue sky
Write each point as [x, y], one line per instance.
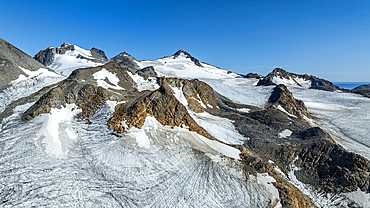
[329, 39]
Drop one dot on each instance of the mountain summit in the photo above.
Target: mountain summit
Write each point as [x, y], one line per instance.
[182, 53]
[67, 57]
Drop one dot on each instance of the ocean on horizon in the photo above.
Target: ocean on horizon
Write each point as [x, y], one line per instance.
[349, 85]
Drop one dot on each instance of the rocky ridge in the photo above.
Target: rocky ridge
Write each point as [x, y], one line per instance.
[11, 58]
[363, 90]
[316, 83]
[81, 88]
[126, 60]
[281, 96]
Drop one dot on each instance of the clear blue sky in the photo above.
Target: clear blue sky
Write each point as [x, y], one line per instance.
[329, 39]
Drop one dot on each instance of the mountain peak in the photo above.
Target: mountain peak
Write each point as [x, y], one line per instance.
[125, 60]
[65, 45]
[48, 56]
[180, 52]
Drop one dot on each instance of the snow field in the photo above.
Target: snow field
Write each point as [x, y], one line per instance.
[183, 67]
[57, 134]
[68, 62]
[292, 82]
[103, 74]
[142, 84]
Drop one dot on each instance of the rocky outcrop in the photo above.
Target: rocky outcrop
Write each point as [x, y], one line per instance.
[252, 75]
[327, 166]
[87, 75]
[322, 163]
[47, 56]
[316, 83]
[165, 107]
[283, 97]
[147, 72]
[87, 97]
[162, 104]
[99, 55]
[11, 58]
[290, 196]
[179, 52]
[199, 95]
[81, 88]
[126, 60]
[362, 90]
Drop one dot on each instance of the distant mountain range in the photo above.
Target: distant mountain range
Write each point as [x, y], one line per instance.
[79, 129]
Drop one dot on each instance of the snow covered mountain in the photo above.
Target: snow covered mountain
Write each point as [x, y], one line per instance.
[176, 132]
[183, 65]
[280, 76]
[69, 57]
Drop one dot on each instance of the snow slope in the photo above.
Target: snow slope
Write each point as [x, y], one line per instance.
[26, 85]
[66, 63]
[155, 166]
[183, 67]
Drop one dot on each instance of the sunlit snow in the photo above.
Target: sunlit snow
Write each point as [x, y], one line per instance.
[285, 133]
[56, 134]
[142, 84]
[68, 62]
[103, 74]
[183, 67]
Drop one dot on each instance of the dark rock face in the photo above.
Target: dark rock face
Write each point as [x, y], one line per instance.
[322, 84]
[328, 166]
[362, 90]
[316, 83]
[179, 52]
[10, 58]
[46, 57]
[252, 75]
[99, 55]
[147, 72]
[125, 60]
[283, 97]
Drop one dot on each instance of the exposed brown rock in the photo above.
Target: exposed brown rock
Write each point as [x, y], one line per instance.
[161, 104]
[88, 97]
[195, 91]
[126, 60]
[81, 89]
[86, 75]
